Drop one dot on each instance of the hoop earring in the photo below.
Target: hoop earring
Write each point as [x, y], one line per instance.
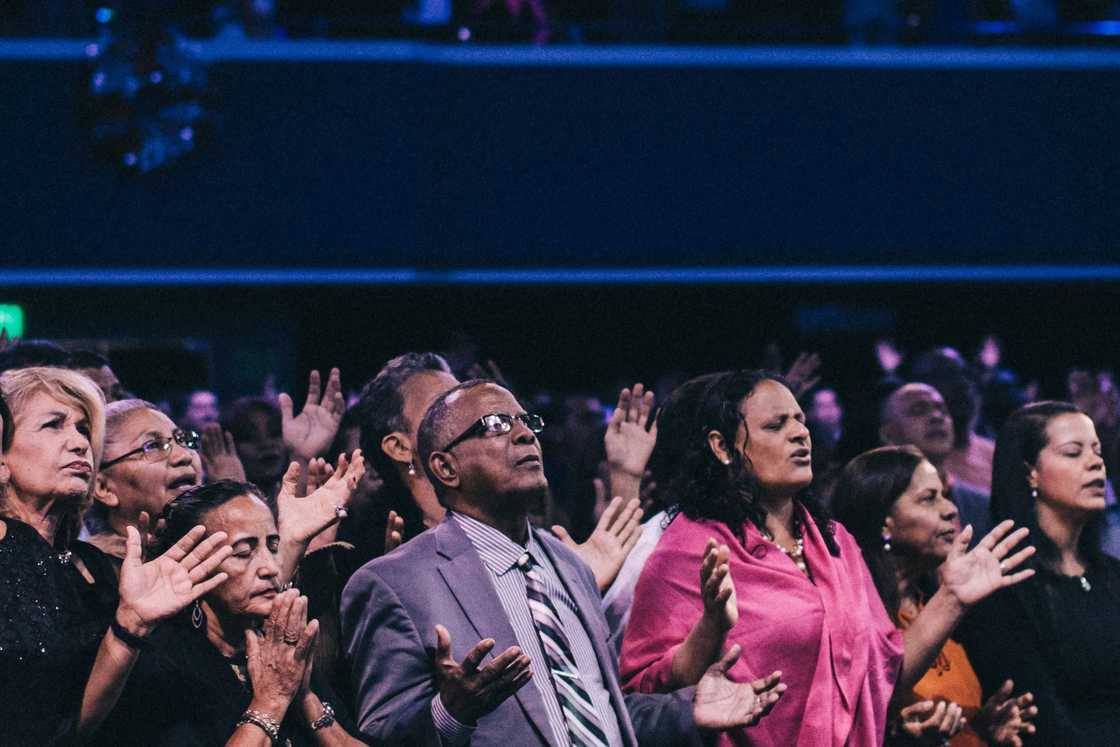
[197, 618]
[886, 540]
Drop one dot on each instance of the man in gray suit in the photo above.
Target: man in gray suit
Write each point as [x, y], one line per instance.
[409, 618]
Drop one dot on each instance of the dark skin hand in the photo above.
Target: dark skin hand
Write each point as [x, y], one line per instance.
[470, 690]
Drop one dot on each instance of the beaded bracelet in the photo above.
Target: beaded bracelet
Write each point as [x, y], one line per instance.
[263, 721]
[325, 720]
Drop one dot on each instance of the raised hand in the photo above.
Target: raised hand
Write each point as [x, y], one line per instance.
[1005, 718]
[973, 575]
[394, 532]
[615, 535]
[280, 656]
[717, 588]
[302, 517]
[721, 704]
[630, 433]
[219, 455]
[311, 433]
[802, 374]
[469, 691]
[931, 723]
[888, 356]
[156, 590]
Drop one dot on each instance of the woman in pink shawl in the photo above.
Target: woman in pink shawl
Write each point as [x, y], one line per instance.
[783, 581]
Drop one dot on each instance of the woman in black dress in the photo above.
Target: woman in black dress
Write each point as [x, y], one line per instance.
[69, 632]
[1056, 635]
[235, 669]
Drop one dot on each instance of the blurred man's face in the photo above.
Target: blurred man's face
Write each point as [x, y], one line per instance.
[916, 415]
[202, 409]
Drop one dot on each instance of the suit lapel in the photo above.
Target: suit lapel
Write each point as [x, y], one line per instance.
[469, 582]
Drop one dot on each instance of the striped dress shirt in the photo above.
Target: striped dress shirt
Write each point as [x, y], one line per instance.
[500, 555]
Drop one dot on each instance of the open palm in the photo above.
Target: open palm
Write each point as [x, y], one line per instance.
[721, 704]
[301, 518]
[973, 575]
[630, 435]
[311, 433]
[616, 533]
[160, 588]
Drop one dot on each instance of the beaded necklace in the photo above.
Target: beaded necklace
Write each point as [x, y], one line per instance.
[797, 554]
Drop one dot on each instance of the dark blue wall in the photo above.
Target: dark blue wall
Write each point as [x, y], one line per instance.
[368, 155]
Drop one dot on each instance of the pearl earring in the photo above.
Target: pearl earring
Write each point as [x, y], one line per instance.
[1034, 494]
[412, 469]
[886, 541]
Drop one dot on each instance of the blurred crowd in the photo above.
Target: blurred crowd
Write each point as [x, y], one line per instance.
[439, 555]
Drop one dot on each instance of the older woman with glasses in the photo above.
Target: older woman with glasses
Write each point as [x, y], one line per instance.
[70, 632]
[147, 463]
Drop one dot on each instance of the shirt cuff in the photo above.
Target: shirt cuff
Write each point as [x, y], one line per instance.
[452, 732]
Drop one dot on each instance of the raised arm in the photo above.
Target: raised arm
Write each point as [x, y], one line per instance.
[966, 577]
[629, 440]
[310, 434]
[302, 517]
[705, 641]
[149, 593]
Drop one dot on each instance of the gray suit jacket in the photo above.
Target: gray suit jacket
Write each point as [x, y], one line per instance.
[391, 606]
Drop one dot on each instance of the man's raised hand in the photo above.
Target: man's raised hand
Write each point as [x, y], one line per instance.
[469, 690]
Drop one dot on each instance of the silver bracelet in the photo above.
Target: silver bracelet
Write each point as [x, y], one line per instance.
[325, 720]
[264, 722]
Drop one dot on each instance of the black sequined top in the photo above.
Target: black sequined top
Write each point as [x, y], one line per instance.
[52, 621]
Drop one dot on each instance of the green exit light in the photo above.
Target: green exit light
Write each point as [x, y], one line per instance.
[11, 319]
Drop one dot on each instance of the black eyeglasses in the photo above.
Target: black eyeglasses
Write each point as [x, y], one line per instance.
[159, 448]
[497, 423]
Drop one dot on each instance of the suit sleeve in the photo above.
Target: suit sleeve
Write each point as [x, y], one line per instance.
[665, 719]
[391, 670]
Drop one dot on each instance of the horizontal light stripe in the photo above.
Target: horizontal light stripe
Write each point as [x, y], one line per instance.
[685, 275]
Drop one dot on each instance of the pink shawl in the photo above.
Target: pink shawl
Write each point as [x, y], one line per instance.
[831, 638]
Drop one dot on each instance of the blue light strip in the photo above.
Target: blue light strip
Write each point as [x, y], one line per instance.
[774, 275]
[471, 55]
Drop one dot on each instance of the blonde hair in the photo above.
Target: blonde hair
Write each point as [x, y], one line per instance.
[69, 388]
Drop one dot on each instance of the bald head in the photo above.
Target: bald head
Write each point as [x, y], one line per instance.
[916, 414]
[497, 471]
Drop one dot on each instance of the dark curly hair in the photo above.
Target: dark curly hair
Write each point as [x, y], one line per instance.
[705, 488]
[1020, 440]
[676, 424]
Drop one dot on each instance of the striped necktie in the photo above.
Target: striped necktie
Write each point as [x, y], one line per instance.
[584, 724]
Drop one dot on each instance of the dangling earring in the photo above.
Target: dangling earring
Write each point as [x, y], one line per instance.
[886, 535]
[197, 618]
[412, 469]
[1034, 494]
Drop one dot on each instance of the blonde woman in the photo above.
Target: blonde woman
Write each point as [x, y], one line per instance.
[69, 632]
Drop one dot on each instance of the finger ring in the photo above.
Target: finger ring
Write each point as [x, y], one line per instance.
[1002, 567]
[291, 638]
[341, 512]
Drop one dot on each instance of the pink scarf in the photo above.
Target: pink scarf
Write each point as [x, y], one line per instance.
[837, 649]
